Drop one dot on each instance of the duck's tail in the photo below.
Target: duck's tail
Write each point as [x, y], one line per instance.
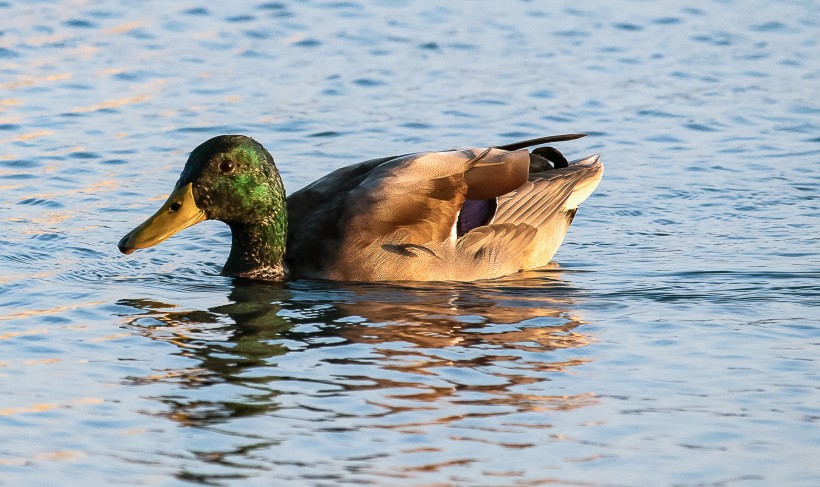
[540, 141]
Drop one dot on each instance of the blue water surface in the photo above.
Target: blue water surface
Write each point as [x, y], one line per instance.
[676, 342]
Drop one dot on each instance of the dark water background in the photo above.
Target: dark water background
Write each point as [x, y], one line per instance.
[676, 344]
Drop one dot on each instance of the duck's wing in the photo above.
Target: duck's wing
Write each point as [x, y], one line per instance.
[548, 192]
[548, 202]
[529, 223]
[399, 205]
[416, 199]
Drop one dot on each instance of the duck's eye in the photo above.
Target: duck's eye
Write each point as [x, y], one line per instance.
[225, 167]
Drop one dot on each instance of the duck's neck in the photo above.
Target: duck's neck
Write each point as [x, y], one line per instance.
[258, 250]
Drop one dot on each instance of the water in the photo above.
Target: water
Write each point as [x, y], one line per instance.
[675, 344]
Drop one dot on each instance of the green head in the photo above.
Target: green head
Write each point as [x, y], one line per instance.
[234, 180]
[230, 178]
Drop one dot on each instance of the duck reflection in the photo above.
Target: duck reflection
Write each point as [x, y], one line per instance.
[455, 314]
[225, 342]
[418, 337]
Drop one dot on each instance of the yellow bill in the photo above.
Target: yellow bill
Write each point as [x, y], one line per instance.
[177, 213]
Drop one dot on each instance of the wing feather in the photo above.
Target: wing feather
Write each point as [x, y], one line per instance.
[490, 247]
[416, 199]
[542, 196]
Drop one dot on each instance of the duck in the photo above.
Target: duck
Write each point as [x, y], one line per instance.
[451, 215]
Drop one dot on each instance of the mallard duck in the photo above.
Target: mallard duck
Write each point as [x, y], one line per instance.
[455, 215]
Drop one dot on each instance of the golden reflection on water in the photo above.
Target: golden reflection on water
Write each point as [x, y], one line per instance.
[41, 407]
[116, 103]
[27, 80]
[410, 334]
[53, 311]
[95, 188]
[27, 136]
[125, 28]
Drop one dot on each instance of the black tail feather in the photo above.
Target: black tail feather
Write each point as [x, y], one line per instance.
[539, 141]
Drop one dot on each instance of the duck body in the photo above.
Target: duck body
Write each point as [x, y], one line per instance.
[456, 215]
